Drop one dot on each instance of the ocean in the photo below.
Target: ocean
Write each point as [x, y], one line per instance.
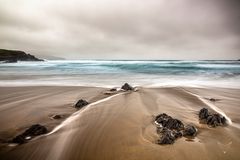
[113, 73]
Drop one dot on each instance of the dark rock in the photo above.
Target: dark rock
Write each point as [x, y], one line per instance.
[81, 103]
[174, 124]
[203, 114]
[56, 116]
[20, 139]
[189, 131]
[212, 99]
[159, 129]
[113, 90]
[167, 138]
[177, 134]
[169, 128]
[223, 120]
[163, 116]
[108, 93]
[31, 132]
[212, 120]
[11, 56]
[169, 122]
[127, 87]
[216, 120]
[35, 130]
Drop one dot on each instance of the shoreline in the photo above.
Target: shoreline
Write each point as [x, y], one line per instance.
[126, 119]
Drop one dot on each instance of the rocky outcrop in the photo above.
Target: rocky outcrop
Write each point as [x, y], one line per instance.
[11, 56]
[171, 129]
[30, 133]
[212, 119]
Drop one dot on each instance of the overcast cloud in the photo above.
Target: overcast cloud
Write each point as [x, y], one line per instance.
[122, 29]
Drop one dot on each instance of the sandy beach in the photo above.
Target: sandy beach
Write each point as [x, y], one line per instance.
[118, 126]
[120, 80]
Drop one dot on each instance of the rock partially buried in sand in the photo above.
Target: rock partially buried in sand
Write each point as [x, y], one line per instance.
[167, 138]
[203, 114]
[216, 120]
[212, 120]
[213, 99]
[169, 122]
[189, 130]
[127, 87]
[113, 90]
[57, 116]
[81, 103]
[170, 129]
[31, 132]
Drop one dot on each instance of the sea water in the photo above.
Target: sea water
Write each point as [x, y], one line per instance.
[113, 73]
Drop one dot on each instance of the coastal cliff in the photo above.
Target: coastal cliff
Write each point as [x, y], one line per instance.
[11, 56]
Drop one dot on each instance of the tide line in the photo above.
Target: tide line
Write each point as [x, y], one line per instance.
[77, 114]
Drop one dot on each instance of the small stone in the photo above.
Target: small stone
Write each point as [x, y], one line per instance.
[113, 90]
[56, 116]
[81, 103]
[212, 99]
[127, 87]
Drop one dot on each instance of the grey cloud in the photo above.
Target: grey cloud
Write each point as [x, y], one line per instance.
[154, 29]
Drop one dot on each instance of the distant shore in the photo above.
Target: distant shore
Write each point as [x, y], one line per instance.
[120, 127]
[12, 56]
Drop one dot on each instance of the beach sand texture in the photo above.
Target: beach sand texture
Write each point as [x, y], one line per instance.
[119, 126]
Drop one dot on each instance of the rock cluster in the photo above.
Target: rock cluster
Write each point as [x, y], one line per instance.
[30, 133]
[211, 119]
[81, 103]
[170, 129]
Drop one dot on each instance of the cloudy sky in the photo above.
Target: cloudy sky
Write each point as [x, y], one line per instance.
[122, 29]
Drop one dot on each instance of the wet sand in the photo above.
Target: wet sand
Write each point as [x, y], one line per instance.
[116, 126]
